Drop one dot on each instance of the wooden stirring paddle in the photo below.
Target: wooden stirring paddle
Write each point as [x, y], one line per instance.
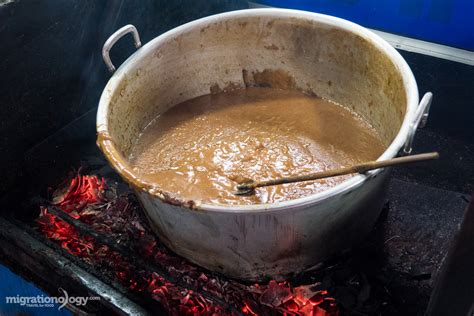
[248, 187]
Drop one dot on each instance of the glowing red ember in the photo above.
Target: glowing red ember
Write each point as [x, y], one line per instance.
[88, 199]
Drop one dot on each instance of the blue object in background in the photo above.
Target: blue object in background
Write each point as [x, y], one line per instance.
[448, 22]
[13, 285]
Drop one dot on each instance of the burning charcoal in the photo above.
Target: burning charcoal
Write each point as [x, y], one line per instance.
[318, 298]
[250, 307]
[64, 190]
[303, 293]
[90, 201]
[307, 310]
[203, 278]
[317, 311]
[276, 294]
[88, 211]
[82, 190]
[291, 306]
[256, 289]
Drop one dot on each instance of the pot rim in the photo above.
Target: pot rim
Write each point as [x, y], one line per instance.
[121, 166]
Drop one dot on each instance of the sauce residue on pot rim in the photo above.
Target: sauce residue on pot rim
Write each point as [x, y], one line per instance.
[201, 148]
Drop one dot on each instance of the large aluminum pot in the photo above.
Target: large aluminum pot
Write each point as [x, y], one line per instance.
[327, 56]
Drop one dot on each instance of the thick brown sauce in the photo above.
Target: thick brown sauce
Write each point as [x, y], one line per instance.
[201, 148]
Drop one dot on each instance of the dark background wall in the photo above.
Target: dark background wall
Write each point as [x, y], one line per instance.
[452, 84]
[51, 69]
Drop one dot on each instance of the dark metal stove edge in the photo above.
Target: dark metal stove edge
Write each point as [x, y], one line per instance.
[19, 246]
[457, 272]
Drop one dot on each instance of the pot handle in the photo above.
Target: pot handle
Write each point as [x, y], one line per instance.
[421, 117]
[114, 38]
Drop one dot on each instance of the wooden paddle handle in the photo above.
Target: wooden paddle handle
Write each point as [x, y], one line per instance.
[358, 168]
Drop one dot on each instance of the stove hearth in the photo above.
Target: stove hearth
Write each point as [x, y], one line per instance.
[83, 230]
